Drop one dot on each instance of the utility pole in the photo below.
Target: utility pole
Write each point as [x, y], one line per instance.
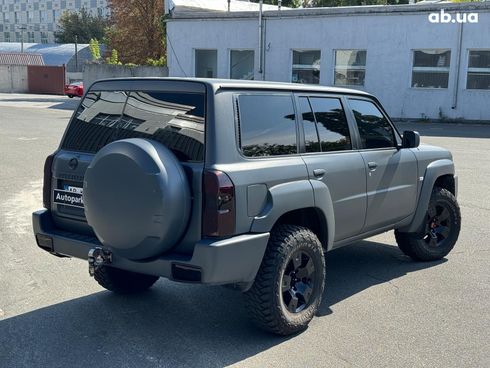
[76, 53]
[261, 40]
[22, 29]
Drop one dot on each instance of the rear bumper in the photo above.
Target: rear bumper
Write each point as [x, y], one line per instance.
[226, 261]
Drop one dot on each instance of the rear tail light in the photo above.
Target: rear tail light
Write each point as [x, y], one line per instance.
[48, 165]
[218, 204]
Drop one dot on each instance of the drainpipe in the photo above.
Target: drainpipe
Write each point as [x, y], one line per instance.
[261, 60]
[458, 64]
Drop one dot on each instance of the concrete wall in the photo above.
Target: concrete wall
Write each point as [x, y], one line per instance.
[93, 72]
[389, 39]
[13, 79]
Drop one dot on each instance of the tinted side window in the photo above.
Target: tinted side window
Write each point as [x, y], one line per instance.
[309, 126]
[331, 123]
[375, 131]
[267, 125]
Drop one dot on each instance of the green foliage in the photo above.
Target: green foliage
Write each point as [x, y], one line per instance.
[114, 58]
[80, 26]
[94, 49]
[157, 62]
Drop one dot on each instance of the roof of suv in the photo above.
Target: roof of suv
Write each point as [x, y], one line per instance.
[217, 84]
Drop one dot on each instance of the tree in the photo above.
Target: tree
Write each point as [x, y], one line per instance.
[137, 30]
[80, 26]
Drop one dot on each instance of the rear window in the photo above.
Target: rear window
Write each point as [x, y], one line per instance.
[267, 125]
[175, 119]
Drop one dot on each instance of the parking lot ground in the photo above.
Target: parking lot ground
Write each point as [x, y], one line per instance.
[380, 309]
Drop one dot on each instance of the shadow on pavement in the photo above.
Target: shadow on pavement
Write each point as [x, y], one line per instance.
[447, 130]
[59, 102]
[173, 324]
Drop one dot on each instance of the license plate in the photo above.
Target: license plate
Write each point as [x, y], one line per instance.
[71, 196]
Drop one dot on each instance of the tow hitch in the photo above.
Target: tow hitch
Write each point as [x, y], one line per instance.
[98, 257]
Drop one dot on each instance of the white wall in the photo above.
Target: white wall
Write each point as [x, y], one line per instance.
[389, 39]
[13, 79]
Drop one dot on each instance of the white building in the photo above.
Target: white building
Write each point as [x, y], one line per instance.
[417, 68]
[35, 21]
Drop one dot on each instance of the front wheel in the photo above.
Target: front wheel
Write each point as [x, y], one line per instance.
[289, 285]
[440, 230]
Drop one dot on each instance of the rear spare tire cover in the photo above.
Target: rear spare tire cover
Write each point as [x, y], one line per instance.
[136, 198]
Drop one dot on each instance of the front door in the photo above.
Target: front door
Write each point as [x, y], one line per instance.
[391, 171]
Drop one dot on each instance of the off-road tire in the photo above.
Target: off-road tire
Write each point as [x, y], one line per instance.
[123, 282]
[416, 246]
[264, 300]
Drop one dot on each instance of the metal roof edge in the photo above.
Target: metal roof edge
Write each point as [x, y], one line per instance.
[334, 11]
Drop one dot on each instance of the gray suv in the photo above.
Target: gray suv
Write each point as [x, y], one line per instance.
[239, 183]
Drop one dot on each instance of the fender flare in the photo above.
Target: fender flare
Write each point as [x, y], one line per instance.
[433, 171]
[296, 195]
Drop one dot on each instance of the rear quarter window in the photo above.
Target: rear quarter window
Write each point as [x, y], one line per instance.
[267, 125]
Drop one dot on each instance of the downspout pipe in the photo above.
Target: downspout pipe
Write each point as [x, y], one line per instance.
[458, 65]
[261, 47]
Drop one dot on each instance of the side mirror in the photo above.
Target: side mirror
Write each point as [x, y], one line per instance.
[411, 139]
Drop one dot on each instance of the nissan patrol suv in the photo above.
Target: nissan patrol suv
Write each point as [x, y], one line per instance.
[239, 183]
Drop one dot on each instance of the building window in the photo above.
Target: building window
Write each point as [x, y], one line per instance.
[306, 66]
[206, 63]
[350, 67]
[44, 37]
[242, 64]
[430, 68]
[6, 36]
[478, 69]
[30, 36]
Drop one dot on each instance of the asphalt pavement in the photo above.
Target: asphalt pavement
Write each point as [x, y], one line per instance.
[380, 309]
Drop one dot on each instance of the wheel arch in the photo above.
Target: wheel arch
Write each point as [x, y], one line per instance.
[305, 203]
[311, 217]
[438, 173]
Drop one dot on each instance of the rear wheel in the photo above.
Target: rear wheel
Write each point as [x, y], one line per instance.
[440, 230]
[70, 96]
[123, 282]
[289, 285]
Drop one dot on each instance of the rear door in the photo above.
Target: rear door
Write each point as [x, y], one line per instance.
[331, 158]
[391, 172]
[169, 112]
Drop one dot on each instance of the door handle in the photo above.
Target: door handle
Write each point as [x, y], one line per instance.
[372, 165]
[319, 172]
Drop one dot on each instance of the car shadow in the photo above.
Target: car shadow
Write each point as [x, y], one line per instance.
[173, 324]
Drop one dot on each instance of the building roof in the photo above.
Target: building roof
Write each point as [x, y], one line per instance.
[52, 53]
[210, 13]
[213, 5]
[19, 58]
